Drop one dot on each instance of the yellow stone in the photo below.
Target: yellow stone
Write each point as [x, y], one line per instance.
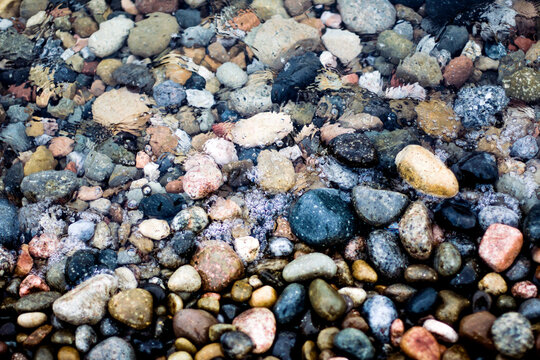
[265, 296]
[276, 172]
[177, 73]
[209, 352]
[436, 118]
[361, 271]
[425, 172]
[180, 355]
[105, 69]
[9, 8]
[493, 284]
[132, 307]
[68, 353]
[183, 344]
[42, 159]
[35, 129]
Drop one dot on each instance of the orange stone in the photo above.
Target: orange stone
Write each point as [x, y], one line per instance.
[24, 262]
[174, 187]
[523, 43]
[245, 20]
[500, 246]
[419, 344]
[458, 71]
[142, 159]
[31, 284]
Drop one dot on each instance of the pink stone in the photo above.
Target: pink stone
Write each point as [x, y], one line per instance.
[349, 79]
[221, 150]
[524, 290]
[142, 159]
[80, 44]
[500, 246]
[43, 246]
[24, 262]
[333, 21]
[260, 325]
[32, 284]
[330, 131]
[202, 177]
[396, 332]
[61, 146]
[89, 193]
[129, 7]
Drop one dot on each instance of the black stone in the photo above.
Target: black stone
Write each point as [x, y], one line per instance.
[134, 76]
[453, 39]
[230, 311]
[422, 302]
[479, 167]
[481, 301]
[531, 225]
[157, 292]
[151, 347]
[456, 214]
[284, 346]
[310, 325]
[354, 149]
[465, 246]
[249, 154]
[63, 73]
[9, 224]
[386, 254]
[79, 266]
[108, 327]
[290, 304]
[519, 269]
[14, 76]
[322, 218]
[297, 74]
[442, 10]
[236, 344]
[195, 82]
[162, 206]
[183, 243]
[467, 277]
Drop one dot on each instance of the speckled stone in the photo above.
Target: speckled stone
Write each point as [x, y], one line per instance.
[193, 324]
[512, 335]
[415, 231]
[132, 307]
[500, 246]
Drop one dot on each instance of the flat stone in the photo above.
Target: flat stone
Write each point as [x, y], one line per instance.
[51, 184]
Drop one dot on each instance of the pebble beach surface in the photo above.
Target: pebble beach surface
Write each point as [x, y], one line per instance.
[269, 179]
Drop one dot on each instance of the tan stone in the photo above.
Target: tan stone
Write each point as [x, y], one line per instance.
[9, 8]
[106, 68]
[425, 172]
[493, 284]
[363, 272]
[275, 171]
[42, 159]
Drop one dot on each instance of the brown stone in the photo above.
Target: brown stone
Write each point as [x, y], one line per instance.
[209, 352]
[457, 71]
[162, 139]
[218, 52]
[500, 246]
[38, 335]
[150, 6]
[437, 118]
[419, 344]
[43, 246]
[476, 327]
[245, 20]
[193, 324]
[68, 353]
[455, 352]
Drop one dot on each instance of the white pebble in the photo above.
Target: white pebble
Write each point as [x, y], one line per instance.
[441, 330]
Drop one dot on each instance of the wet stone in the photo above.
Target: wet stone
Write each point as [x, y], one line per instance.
[326, 301]
[378, 207]
[380, 312]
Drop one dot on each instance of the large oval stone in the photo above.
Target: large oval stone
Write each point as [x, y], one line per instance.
[322, 218]
[310, 266]
[326, 301]
[193, 324]
[217, 264]
[260, 325]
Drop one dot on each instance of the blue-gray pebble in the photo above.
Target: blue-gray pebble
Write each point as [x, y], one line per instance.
[355, 344]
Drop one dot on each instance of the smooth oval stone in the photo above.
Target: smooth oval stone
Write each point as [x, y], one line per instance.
[415, 231]
[418, 343]
[36, 301]
[236, 344]
[326, 301]
[447, 259]
[355, 344]
[132, 307]
[512, 335]
[426, 172]
[530, 308]
[290, 304]
[322, 218]
[378, 207]
[380, 312]
[386, 255]
[456, 214]
[260, 325]
[309, 266]
[193, 324]
[422, 302]
[354, 149]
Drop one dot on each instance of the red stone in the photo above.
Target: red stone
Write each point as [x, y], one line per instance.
[89, 68]
[500, 246]
[23, 91]
[174, 187]
[458, 71]
[71, 166]
[32, 284]
[523, 43]
[419, 344]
